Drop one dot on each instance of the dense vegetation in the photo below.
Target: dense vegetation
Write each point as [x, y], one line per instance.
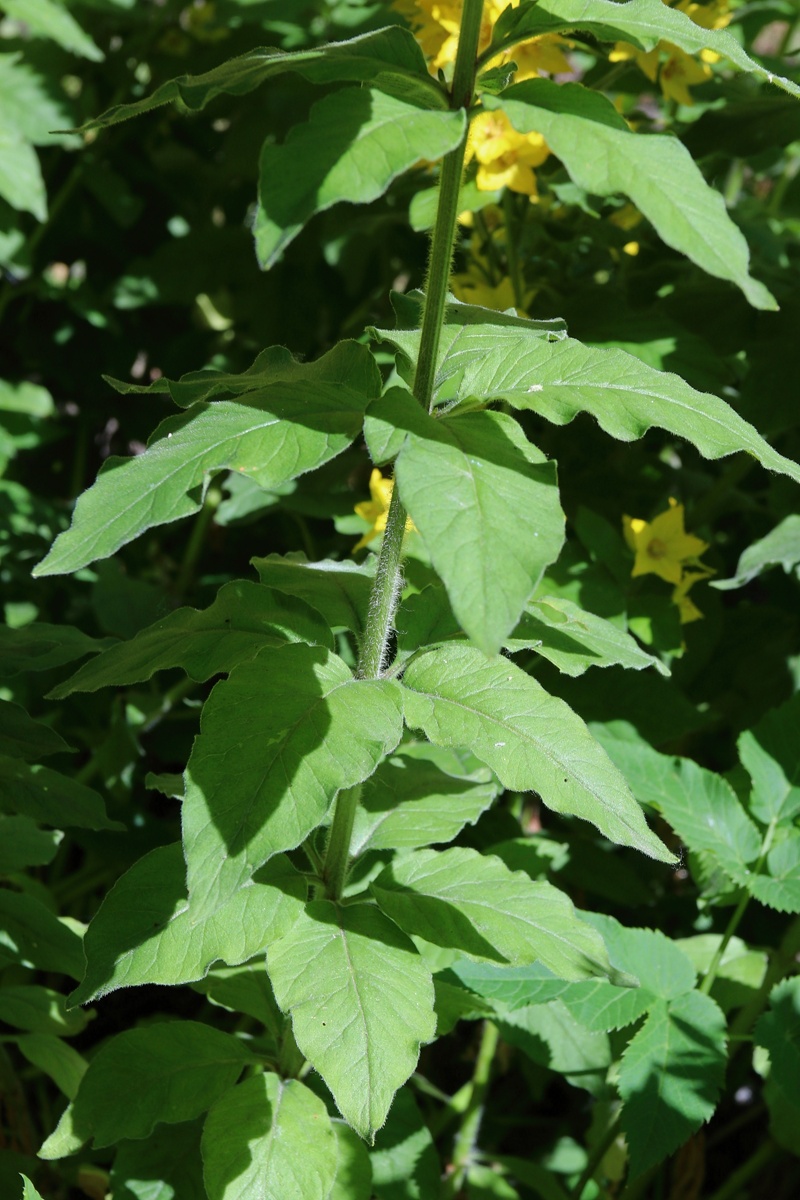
[400, 768]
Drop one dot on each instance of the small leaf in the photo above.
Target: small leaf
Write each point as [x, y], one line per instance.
[780, 546]
[338, 590]
[665, 970]
[21, 182]
[172, 1071]
[33, 936]
[39, 647]
[354, 144]
[29, 1192]
[146, 932]
[471, 902]
[353, 1179]
[671, 1076]
[165, 1166]
[243, 619]
[47, 19]
[23, 844]
[22, 737]
[780, 888]
[405, 1165]
[778, 1030]
[771, 753]
[256, 787]
[550, 1036]
[50, 797]
[574, 640]
[532, 740]
[361, 1002]
[39, 1010]
[244, 989]
[55, 1058]
[269, 1137]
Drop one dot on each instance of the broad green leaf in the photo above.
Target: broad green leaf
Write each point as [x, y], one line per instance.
[40, 647]
[771, 753]
[23, 844]
[22, 737]
[259, 786]
[244, 989]
[165, 1166]
[642, 22]
[559, 377]
[45, 795]
[657, 173]
[353, 1179]
[146, 932]
[532, 740]
[172, 1072]
[550, 1036]
[574, 640]
[411, 803]
[670, 1076]
[486, 503]
[272, 435]
[361, 1002]
[511, 987]
[55, 1058]
[339, 590]
[405, 1165]
[778, 1030]
[33, 936]
[21, 183]
[354, 144]
[780, 887]
[780, 546]
[39, 1010]
[48, 19]
[389, 59]
[244, 618]
[269, 1137]
[471, 902]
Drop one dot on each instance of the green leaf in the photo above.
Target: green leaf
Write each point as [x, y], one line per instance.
[656, 172]
[780, 546]
[574, 640]
[486, 503]
[269, 1137]
[353, 1179]
[389, 59]
[21, 182]
[33, 936]
[471, 902]
[671, 1076]
[550, 1036]
[48, 19]
[771, 753]
[145, 931]
[172, 1072]
[361, 1002]
[55, 1058]
[642, 22]
[23, 844]
[273, 435]
[22, 737]
[244, 989]
[781, 887]
[411, 803]
[532, 740]
[39, 1010]
[48, 796]
[165, 1166]
[257, 787]
[40, 647]
[338, 590]
[244, 618]
[354, 144]
[423, 619]
[778, 1030]
[558, 378]
[32, 110]
[29, 1192]
[405, 1165]
[648, 954]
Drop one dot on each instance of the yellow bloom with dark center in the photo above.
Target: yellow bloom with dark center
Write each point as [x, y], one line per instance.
[662, 546]
[376, 509]
[505, 158]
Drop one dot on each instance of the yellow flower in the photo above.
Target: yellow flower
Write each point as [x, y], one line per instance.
[505, 157]
[686, 606]
[471, 287]
[662, 546]
[680, 69]
[376, 510]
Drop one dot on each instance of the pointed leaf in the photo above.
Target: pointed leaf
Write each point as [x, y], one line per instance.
[574, 640]
[780, 888]
[780, 546]
[353, 1180]
[172, 1072]
[779, 1031]
[671, 1076]
[50, 797]
[551, 1037]
[771, 754]
[259, 786]
[56, 1058]
[339, 590]
[461, 480]
[39, 1010]
[354, 144]
[33, 936]
[386, 58]
[532, 740]
[272, 435]
[22, 737]
[39, 647]
[471, 902]
[23, 844]
[269, 1137]
[648, 954]
[411, 803]
[47, 19]
[642, 22]
[244, 618]
[657, 173]
[361, 1002]
[405, 1165]
[29, 1192]
[21, 182]
[146, 932]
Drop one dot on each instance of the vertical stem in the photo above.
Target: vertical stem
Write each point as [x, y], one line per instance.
[467, 1136]
[597, 1155]
[511, 249]
[337, 854]
[197, 538]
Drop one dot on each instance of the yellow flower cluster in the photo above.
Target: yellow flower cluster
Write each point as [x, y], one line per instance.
[680, 70]
[505, 158]
[663, 548]
[376, 509]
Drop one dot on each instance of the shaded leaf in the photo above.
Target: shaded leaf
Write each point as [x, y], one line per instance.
[338, 590]
[22, 737]
[574, 640]
[48, 796]
[39, 1010]
[165, 1166]
[778, 1030]
[771, 753]
[33, 936]
[23, 844]
[781, 546]
[55, 1058]
[405, 1165]
[39, 647]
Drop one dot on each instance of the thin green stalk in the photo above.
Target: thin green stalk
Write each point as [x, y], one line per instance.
[597, 1156]
[780, 962]
[337, 854]
[467, 1137]
[197, 537]
[733, 1185]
